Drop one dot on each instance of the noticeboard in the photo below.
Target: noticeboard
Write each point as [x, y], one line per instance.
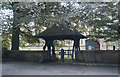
[90, 46]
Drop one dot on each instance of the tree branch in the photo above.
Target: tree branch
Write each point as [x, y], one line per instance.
[25, 34]
[10, 3]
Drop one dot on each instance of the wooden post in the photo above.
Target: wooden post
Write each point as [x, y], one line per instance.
[43, 51]
[43, 55]
[72, 53]
[62, 55]
[49, 52]
[53, 50]
[76, 53]
[76, 46]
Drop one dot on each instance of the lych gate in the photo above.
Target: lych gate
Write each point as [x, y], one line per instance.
[60, 33]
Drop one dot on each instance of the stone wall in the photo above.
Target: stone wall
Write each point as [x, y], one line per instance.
[24, 55]
[99, 56]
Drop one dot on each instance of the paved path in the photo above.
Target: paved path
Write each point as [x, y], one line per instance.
[30, 68]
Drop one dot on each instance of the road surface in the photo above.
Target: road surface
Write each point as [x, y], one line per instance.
[31, 68]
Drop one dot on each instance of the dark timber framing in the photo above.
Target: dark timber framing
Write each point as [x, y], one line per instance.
[60, 33]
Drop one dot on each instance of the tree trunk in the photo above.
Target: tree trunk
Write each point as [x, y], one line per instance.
[15, 29]
[15, 39]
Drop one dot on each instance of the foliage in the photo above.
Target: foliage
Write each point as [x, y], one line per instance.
[5, 27]
[96, 20]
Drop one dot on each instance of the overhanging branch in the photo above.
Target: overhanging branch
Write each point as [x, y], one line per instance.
[29, 36]
[25, 34]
